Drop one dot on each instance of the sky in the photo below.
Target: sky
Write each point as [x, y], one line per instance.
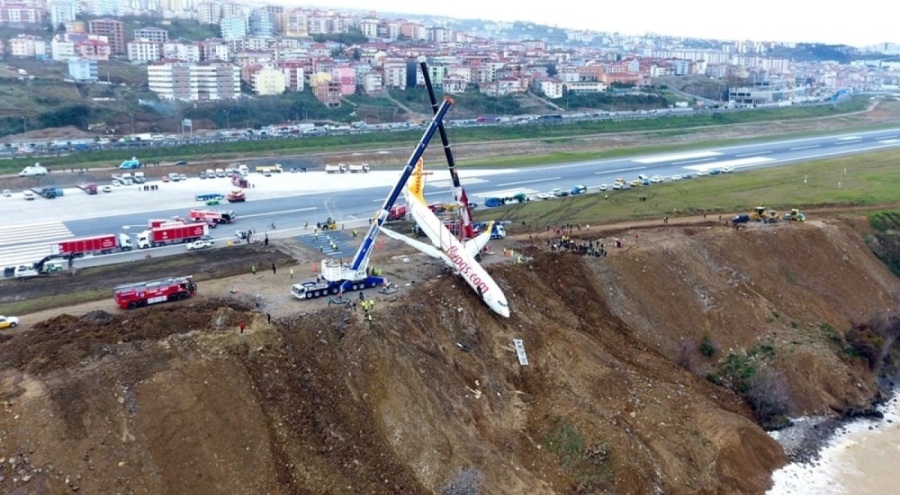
[852, 24]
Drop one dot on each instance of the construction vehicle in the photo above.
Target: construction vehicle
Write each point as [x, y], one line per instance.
[89, 188]
[130, 296]
[47, 265]
[795, 216]
[328, 224]
[335, 169]
[761, 214]
[171, 234]
[363, 168]
[236, 196]
[97, 244]
[337, 277]
[269, 169]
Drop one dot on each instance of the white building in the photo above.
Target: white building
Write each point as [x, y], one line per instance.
[209, 12]
[154, 34]
[26, 45]
[62, 11]
[186, 51]
[82, 70]
[143, 50]
[233, 28]
[190, 81]
[104, 7]
[61, 49]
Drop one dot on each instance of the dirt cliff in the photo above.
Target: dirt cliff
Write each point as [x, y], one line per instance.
[633, 382]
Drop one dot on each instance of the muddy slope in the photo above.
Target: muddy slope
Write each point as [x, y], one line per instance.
[431, 394]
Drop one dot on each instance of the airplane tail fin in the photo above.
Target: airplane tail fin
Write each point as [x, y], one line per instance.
[416, 184]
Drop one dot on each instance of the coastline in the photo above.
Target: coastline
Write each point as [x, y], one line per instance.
[843, 456]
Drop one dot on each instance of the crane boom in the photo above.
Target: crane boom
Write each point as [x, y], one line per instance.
[362, 254]
[466, 230]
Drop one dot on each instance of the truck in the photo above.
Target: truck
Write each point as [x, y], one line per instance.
[492, 202]
[35, 170]
[238, 181]
[171, 234]
[236, 196]
[335, 169]
[49, 192]
[159, 222]
[213, 217]
[97, 244]
[139, 178]
[497, 231]
[397, 212]
[336, 277]
[89, 188]
[361, 168]
[578, 189]
[129, 164]
[136, 295]
[123, 179]
[269, 169]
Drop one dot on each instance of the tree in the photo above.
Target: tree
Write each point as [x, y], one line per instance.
[551, 70]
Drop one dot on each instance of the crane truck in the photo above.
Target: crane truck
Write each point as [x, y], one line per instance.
[336, 277]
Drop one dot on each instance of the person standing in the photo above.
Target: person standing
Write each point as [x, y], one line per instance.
[241, 327]
[253, 269]
[273, 268]
[292, 272]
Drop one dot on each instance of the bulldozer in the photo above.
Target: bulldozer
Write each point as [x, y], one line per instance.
[795, 216]
[761, 214]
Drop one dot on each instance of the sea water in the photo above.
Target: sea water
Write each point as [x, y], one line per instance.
[862, 459]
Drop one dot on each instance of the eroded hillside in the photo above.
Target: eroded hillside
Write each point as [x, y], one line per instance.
[618, 396]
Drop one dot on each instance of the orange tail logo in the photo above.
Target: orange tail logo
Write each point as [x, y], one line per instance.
[416, 184]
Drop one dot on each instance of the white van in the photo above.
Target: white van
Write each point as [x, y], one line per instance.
[29, 196]
[35, 170]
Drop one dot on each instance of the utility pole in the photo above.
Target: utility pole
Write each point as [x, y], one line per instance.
[132, 122]
[24, 124]
[227, 120]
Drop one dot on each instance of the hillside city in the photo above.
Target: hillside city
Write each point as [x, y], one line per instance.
[273, 50]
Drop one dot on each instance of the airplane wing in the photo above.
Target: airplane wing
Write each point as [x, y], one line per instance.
[474, 246]
[419, 245]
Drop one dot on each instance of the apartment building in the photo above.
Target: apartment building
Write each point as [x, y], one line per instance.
[194, 81]
[93, 49]
[83, 70]
[294, 74]
[184, 50]
[61, 48]
[62, 11]
[328, 92]
[233, 28]
[296, 23]
[103, 7]
[27, 45]
[394, 74]
[209, 12]
[268, 81]
[114, 30]
[345, 76]
[143, 51]
[261, 23]
[153, 34]
[214, 50]
[19, 14]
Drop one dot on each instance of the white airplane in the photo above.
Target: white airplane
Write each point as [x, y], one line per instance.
[445, 246]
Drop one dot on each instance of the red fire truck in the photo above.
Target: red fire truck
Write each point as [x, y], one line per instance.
[130, 296]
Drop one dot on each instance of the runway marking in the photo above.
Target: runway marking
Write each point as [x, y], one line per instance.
[889, 141]
[506, 193]
[694, 161]
[527, 181]
[753, 154]
[449, 182]
[279, 212]
[25, 254]
[849, 138]
[33, 232]
[678, 156]
[604, 172]
[798, 148]
[741, 162]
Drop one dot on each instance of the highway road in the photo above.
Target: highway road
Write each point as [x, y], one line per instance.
[291, 200]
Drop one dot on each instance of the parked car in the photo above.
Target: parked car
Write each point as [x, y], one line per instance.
[201, 244]
[28, 195]
[603, 187]
[165, 178]
[8, 322]
[106, 188]
[220, 172]
[183, 177]
[175, 177]
[656, 179]
[7, 193]
[181, 162]
[544, 195]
